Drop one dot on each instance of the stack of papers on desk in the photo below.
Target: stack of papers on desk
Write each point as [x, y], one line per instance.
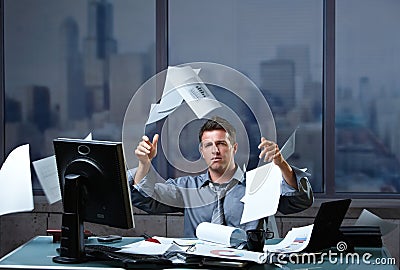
[209, 244]
[226, 253]
[151, 248]
[296, 240]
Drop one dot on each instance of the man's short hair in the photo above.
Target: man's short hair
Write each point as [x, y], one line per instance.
[219, 123]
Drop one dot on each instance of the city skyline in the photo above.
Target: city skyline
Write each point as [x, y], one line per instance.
[123, 70]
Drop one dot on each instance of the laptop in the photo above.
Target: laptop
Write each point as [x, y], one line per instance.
[326, 233]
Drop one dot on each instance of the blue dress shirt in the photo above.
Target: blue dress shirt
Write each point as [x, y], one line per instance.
[193, 196]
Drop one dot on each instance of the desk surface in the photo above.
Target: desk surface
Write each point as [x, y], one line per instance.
[38, 254]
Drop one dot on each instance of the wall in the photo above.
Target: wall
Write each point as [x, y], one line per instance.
[16, 229]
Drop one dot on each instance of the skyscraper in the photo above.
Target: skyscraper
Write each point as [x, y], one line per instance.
[278, 84]
[99, 45]
[71, 94]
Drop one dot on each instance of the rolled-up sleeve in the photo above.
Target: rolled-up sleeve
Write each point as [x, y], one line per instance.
[295, 200]
[153, 195]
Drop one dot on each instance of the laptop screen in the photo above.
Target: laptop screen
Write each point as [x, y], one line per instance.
[325, 233]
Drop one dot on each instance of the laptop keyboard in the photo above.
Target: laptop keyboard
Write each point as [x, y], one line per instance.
[107, 253]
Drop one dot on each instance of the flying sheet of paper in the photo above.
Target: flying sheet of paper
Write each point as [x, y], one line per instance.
[167, 105]
[183, 83]
[259, 180]
[170, 99]
[266, 182]
[15, 182]
[194, 91]
[369, 219]
[46, 171]
[289, 147]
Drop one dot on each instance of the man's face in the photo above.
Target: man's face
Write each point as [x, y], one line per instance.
[217, 150]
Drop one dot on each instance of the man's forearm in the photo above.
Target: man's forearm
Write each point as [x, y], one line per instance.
[142, 171]
[288, 174]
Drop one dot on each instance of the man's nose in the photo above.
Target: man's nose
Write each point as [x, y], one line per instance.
[215, 148]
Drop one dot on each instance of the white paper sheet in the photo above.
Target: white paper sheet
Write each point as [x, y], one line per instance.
[15, 182]
[149, 248]
[167, 105]
[266, 182]
[220, 234]
[199, 98]
[369, 219]
[289, 147]
[183, 83]
[263, 187]
[46, 171]
[228, 253]
[296, 240]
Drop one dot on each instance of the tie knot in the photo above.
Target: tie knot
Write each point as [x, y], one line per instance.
[219, 189]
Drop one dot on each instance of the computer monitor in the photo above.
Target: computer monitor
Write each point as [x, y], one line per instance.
[94, 188]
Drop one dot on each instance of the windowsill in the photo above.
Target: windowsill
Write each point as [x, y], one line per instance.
[365, 203]
[384, 208]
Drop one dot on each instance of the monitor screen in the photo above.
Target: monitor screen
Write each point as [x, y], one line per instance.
[94, 188]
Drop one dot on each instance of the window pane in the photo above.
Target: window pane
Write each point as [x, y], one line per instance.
[72, 66]
[278, 45]
[367, 96]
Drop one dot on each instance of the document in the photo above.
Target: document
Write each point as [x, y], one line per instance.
[220, 234]
[183, 83]
[228, 253]
[151, 248]
[213, 240]
[199, 98]
[369, 219]
[46, 171]
[15, 182]
[263, 187]
[296, 240]
[167, 105]
[289, 147]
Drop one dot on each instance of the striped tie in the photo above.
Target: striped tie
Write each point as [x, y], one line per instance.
[218, 213]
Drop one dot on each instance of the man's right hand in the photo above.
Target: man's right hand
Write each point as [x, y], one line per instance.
[146, 150]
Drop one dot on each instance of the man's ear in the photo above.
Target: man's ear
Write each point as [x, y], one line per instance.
[201, 153]
[235, 147]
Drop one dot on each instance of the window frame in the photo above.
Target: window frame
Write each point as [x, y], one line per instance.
[328, 73]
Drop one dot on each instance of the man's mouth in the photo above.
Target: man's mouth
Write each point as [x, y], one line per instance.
[215, 158]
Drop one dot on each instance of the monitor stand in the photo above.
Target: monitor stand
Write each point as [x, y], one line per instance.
[72, 247]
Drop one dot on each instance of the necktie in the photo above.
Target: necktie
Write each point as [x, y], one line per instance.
[218, 213]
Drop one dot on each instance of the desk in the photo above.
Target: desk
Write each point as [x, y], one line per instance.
[38, 254]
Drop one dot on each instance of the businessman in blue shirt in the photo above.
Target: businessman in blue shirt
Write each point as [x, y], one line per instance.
[199, 197]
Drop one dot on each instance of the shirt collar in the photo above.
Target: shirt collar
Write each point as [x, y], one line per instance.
[238, 176]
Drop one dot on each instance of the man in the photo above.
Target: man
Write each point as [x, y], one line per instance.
[213, 196]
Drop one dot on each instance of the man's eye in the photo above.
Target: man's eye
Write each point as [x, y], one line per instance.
[222, 144]
[207, 145]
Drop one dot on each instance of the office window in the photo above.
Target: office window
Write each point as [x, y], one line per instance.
[71, 67]
[279, 46]
[367, 96]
